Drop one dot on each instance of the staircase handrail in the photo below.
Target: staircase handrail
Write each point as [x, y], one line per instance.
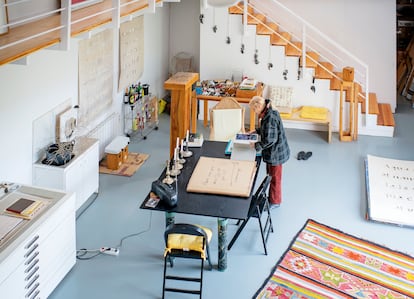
[364, 71]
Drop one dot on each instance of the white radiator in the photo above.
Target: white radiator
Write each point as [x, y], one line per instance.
[106, 131]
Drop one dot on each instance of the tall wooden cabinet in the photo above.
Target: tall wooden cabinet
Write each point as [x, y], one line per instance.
[80, 175]
[38, 254]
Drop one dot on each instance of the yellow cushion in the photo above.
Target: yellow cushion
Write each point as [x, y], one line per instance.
[285, 115]
[319, 113]
[188, 242]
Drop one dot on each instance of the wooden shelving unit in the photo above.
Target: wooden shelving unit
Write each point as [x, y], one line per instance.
[27, 38]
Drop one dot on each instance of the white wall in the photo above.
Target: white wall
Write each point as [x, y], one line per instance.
[49, 83]
[185, 30]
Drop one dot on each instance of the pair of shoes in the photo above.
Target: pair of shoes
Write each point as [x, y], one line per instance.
[304, 156]
[273, 206]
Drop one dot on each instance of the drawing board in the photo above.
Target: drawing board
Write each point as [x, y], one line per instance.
[222, 176]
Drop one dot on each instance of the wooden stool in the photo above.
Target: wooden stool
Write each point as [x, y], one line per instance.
[117, 152]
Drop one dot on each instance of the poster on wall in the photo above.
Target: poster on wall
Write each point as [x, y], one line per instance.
[95, 76]
[131, 52]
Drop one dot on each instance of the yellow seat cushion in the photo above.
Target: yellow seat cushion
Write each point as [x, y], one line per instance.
[188, 242]
[311, 112]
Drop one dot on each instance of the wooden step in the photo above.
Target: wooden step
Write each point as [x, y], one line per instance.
[358, 91]
[294, 49]
[372, 104]
[280, 39]
[256, 18]
[385, 116]
[335, 82]
[238, 9]
[324, 70]
[267, 28]
[311, 59]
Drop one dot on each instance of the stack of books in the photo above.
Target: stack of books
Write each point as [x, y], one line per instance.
[248, 84]
[24, 208]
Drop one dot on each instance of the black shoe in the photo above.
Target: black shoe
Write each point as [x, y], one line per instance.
[301, 155]
[307, 156]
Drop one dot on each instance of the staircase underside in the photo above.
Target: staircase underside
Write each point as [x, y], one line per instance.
[379, 120]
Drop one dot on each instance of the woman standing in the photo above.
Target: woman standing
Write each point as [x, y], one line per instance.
[272, 144]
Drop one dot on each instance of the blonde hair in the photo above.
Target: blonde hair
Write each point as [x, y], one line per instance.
[257, 100]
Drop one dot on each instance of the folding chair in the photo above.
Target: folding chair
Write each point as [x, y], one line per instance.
[258, 207]
[184, 240]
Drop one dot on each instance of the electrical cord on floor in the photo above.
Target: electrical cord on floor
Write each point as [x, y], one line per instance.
[136, 234]
[87, 254]
[80, 254]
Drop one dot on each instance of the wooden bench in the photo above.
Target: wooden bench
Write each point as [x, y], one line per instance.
[296, 117]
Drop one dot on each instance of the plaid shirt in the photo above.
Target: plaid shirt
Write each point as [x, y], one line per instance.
[273, 143]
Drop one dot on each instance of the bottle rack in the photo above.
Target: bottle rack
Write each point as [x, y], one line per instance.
[141, 116]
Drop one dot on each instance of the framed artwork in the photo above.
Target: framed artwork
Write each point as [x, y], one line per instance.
[3, 17]
[76, 4]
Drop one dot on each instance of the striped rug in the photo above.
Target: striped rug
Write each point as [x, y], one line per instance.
[323, 262]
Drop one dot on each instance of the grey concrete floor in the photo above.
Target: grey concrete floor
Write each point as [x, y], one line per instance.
[329, 188]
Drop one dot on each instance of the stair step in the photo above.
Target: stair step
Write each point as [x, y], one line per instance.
[280, 39]
[372, 104]
[238, 9]
[256, 18]
[324, 70]
[294, 49]
[335, 82]
[385, 116]
[267, 28]
[311, 59]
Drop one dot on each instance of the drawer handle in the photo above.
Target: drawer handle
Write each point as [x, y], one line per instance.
[31, 258]
[31, 242]
[29, 276]
[31, 250]
[32, 281]
[31, 266]
[35, 294]
[32, 290]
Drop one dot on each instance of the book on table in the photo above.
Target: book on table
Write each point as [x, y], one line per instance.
[389, 190]
[24, 208]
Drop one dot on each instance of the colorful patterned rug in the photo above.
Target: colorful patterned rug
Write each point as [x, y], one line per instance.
[323, 262]
[128, 168]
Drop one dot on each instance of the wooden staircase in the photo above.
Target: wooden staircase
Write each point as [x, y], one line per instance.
[323, 69]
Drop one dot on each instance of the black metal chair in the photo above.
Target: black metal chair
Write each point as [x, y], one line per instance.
[184, 240]
[258, 207]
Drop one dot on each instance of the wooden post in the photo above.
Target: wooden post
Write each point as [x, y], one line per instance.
[348, 83]
[180, 86]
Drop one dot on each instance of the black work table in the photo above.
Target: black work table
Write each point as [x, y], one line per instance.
[221, 206]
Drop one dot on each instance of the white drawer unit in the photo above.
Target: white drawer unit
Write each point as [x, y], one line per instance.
[80, 175]
[37, 255]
